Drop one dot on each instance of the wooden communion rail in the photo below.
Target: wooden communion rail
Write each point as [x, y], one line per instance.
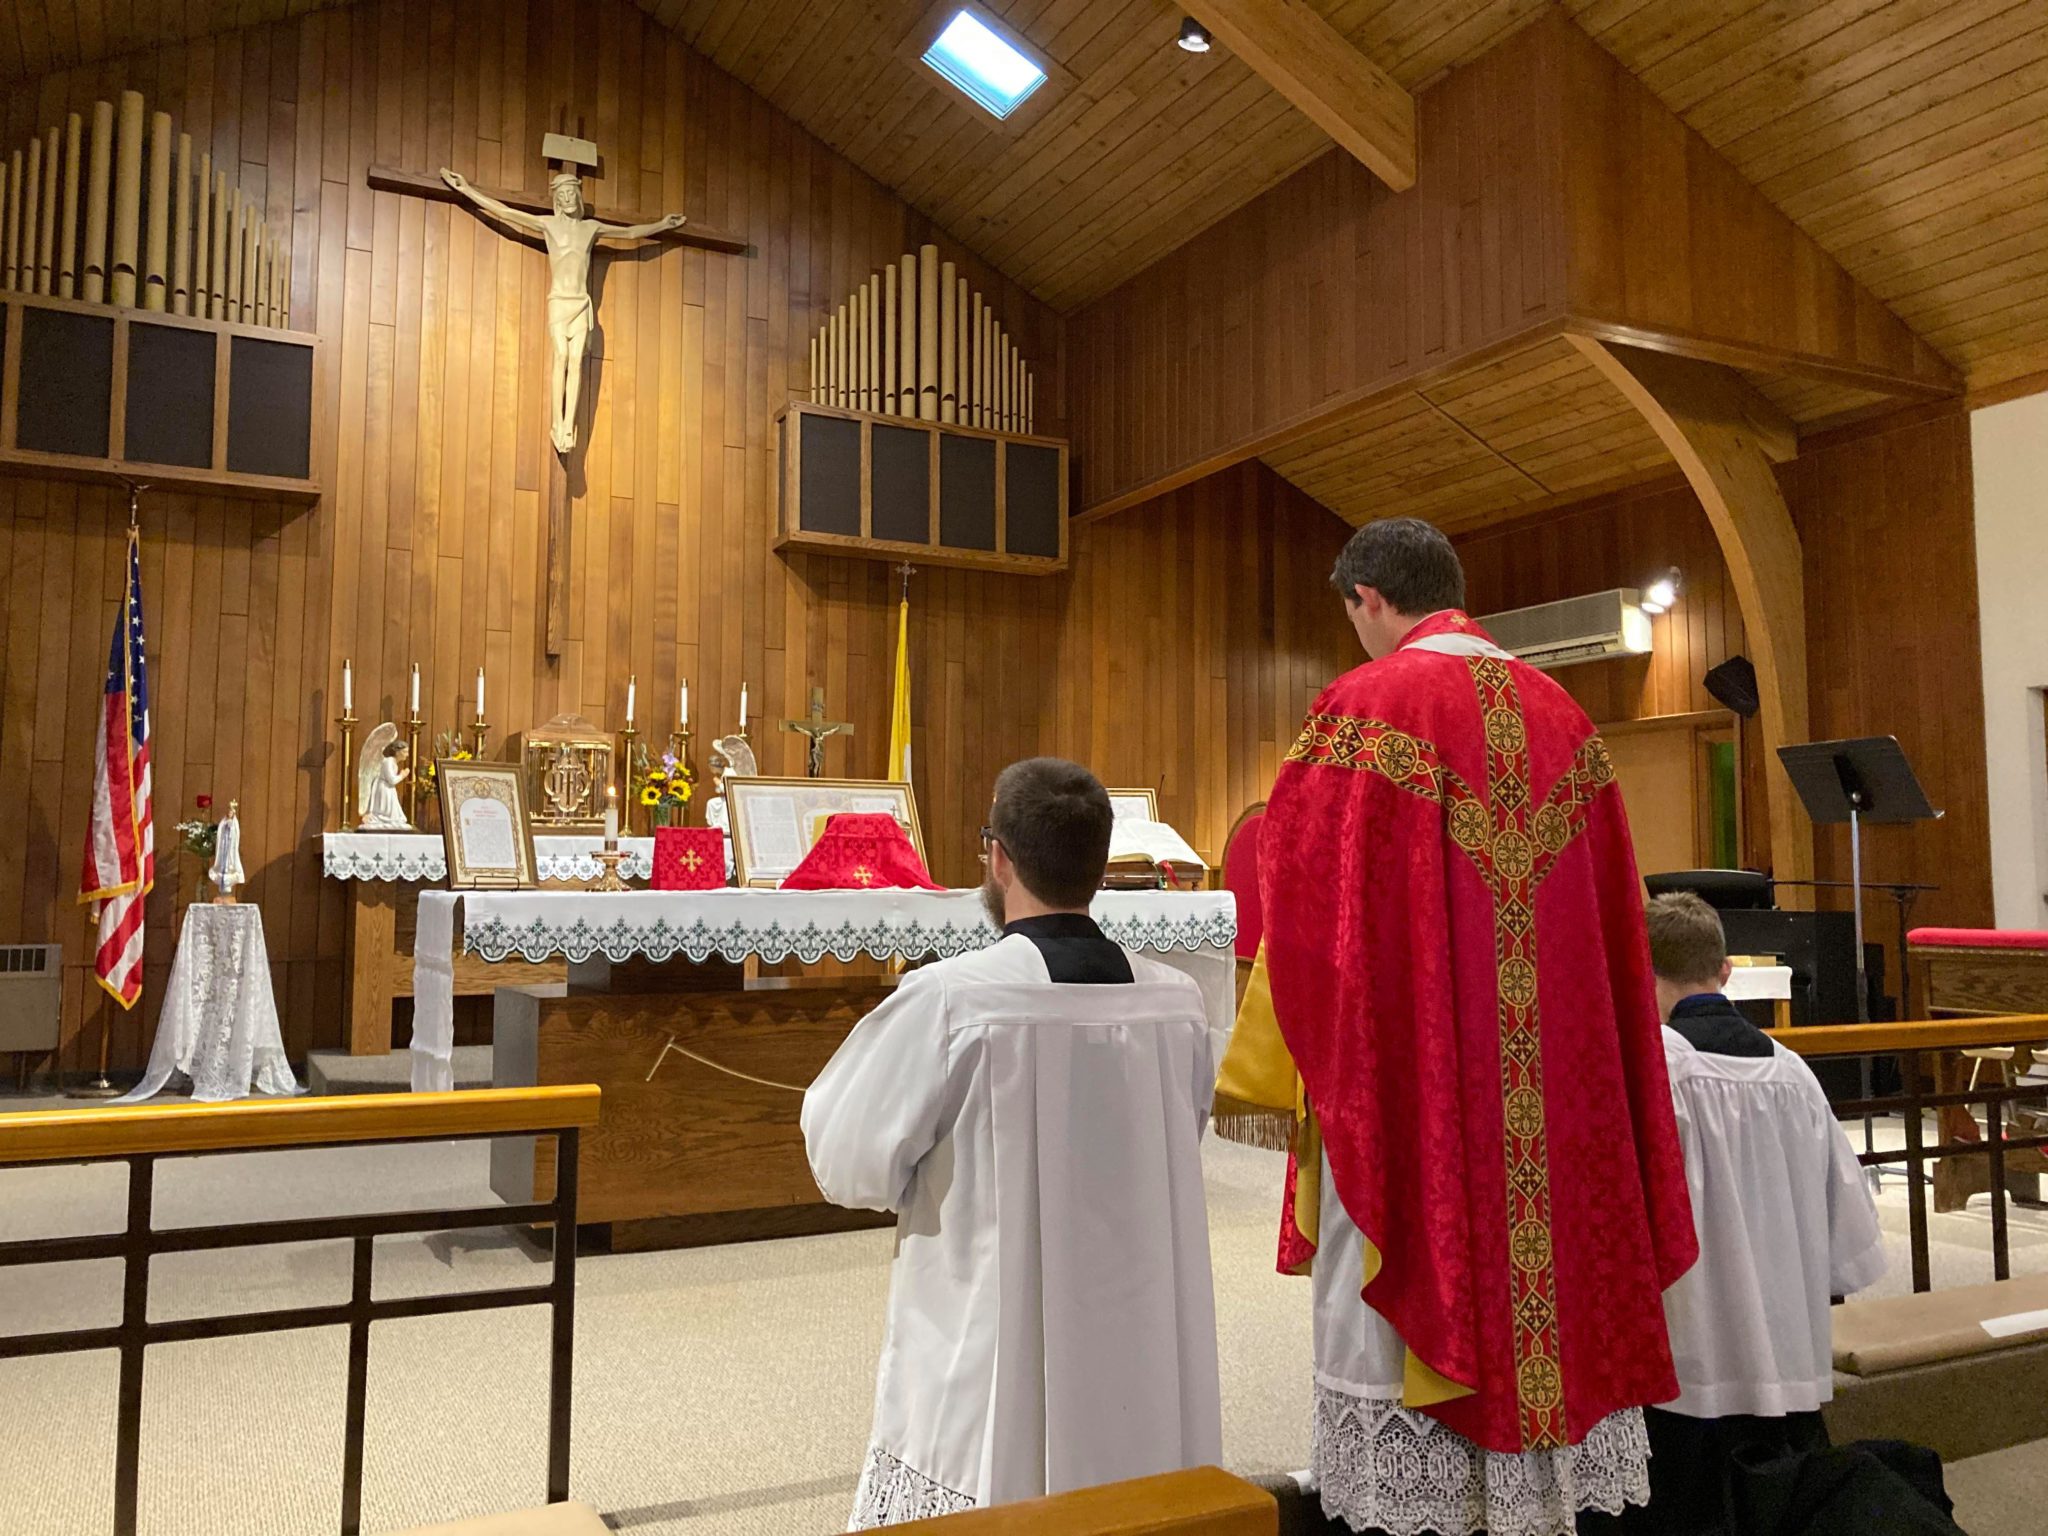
[139, 1137]
[1910, 1041]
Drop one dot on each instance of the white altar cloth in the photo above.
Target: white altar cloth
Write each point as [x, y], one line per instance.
[219, 1020]
[1192, 930]
[422, 857]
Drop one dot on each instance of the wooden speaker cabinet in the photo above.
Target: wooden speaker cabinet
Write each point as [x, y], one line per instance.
[100, 392]
[897, 488]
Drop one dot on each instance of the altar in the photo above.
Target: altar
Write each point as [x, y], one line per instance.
[385, 873]
[669, 1006]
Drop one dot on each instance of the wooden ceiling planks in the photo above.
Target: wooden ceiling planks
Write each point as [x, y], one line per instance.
[1908, 137]
[1485, 443]
[1146, 146]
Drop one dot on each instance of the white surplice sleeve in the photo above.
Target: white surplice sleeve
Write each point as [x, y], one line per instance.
[873, 1112]
[1856, 1256]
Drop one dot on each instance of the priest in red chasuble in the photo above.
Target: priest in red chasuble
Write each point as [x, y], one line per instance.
[1453, 1028]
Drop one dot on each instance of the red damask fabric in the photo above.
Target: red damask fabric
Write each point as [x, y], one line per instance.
[689, 858]
[858, 852]
[1459, 967]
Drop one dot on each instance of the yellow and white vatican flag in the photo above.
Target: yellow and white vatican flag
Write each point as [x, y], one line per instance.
[899, 708]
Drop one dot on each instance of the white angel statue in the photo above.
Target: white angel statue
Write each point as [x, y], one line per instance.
[226, 871]
[379, 772]
[730, 755]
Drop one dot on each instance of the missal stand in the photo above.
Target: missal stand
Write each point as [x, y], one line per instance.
[1862, 780]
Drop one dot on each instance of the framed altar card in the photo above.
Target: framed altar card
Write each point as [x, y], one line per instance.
[776, 821]
[1134, 804]
[485, 825]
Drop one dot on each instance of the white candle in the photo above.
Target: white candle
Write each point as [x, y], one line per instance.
[415, 688]
[479, 693]
[743, 709]
[632, 692]
[348, 688]
[611, 817]
[683, 706]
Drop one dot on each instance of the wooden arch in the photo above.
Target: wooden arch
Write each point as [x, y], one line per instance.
[1725, 437]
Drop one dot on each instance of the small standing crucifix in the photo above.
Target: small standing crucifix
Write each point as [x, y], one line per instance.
[818, 729]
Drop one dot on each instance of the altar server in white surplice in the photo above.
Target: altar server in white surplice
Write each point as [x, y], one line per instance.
[1033, 1112]
[1785, 1222]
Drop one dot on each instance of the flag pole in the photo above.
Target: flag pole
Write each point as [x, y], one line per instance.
[102, 1087]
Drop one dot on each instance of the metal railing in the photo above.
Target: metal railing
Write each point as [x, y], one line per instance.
[1907, 1041]
[139, 1137]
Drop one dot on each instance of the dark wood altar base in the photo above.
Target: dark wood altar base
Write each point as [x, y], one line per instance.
[695, 1156]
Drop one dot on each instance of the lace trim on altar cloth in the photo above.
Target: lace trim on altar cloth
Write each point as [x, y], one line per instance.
[406, 864]
[1382, 1467]
[764, 935]
[892, 1492]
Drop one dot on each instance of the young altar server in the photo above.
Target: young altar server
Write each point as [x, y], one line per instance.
[1033, 1112]
[1785, 1222]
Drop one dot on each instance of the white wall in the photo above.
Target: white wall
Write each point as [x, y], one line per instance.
[2009, 454]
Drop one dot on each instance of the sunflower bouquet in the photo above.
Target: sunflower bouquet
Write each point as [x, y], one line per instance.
[449, 745]
[666, 788]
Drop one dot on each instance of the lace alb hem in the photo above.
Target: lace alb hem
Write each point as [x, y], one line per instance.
[1382, 1467]
[892, 1492]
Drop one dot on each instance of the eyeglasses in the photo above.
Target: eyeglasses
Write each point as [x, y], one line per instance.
[988, 841]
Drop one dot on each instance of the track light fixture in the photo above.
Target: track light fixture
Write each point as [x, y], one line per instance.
[1662, 592]
[1194, 37]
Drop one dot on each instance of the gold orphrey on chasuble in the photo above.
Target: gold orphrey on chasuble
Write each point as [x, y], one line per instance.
[1513, 844]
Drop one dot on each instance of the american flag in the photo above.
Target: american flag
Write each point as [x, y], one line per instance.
[120, 845]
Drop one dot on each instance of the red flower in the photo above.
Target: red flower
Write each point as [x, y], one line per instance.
[205, 802]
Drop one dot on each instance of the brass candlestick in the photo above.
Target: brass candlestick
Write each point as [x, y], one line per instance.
[347, 721]
[628, 735]
[412, 763]
[608, 866]
[478, 734]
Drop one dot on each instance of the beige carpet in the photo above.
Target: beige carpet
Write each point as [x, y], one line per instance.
[718, 1390]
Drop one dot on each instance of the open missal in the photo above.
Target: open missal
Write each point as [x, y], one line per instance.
[1138, 849]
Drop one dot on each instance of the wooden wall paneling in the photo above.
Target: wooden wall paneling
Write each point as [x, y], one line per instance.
[1398, 285]
[1668, 239]
[1159, 654]
[1876, 508]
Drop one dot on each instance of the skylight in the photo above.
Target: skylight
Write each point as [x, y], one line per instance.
[984, 64]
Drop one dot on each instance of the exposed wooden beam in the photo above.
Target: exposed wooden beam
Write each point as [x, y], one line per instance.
[1704, 414]
[1288, 45]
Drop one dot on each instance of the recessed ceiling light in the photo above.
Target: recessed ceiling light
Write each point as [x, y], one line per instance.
[991, 69]
[1194, 37]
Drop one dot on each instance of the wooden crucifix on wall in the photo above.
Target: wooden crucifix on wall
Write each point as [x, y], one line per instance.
[570, 234]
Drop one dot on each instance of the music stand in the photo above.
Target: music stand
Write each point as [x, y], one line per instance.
[1860, 780]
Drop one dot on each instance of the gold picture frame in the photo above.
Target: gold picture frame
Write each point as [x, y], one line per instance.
[775, 821]
[1128, 799]
[486, 827]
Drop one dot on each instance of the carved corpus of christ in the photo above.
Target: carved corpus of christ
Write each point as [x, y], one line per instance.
[569, 234]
